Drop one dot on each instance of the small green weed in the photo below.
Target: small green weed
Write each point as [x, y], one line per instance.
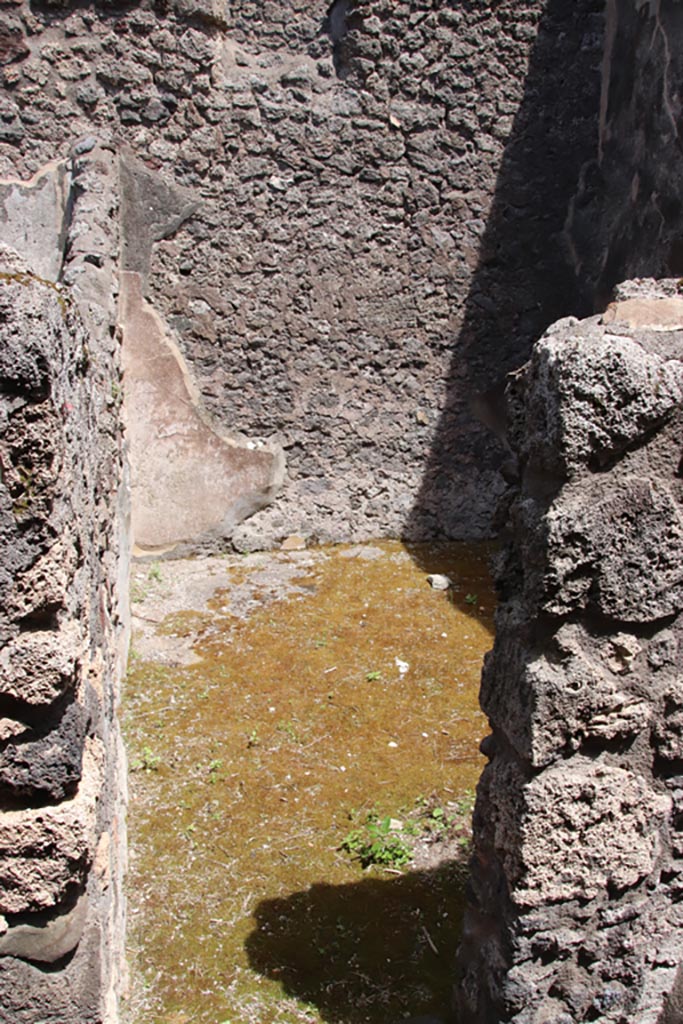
[147, 762]
[214, 767]
[372, 677]
[392, 842]
[377, 842]
[472, 599]
[324, 639]
[437, 820]
[290, 730]
[466, 803]
[154, 574]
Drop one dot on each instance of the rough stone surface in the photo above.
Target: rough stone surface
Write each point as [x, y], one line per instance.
[626, 220]
[350, 218]
[45, 853]
[578, 869]
[48, 942]
[346, 216]
[62, 635]
[40, 666]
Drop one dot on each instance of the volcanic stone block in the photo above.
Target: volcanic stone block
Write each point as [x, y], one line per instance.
[591, 394]
[576, 877]
[587, 828]
[45, 762]
[39, 666]
[585, 686]
[60, 636]
[45, 851]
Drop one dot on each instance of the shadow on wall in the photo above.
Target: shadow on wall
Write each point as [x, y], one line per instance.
[525, 276]
[627, 219]
[370, 952]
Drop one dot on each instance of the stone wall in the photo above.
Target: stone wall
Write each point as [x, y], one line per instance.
[349, 222]
[63, 581]
[626, 220]
[577, 876]
[578, 820]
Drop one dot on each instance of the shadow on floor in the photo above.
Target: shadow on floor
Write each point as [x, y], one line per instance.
[468, 567]
[370, 952]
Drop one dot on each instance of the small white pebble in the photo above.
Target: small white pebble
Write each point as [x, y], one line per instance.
[444, 635]
[392, 744]
[438, 581]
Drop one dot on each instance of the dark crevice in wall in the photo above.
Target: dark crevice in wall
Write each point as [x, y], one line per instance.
[595, 748]
[39, 619]
[29, 714]
[598, 624]
[341, 20]
[21, 390]
[74, 192]
[668, 769]
[337, 24]
[603, 462]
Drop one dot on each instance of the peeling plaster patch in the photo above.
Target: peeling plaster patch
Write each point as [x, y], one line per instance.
[189, 483]
[33, 217]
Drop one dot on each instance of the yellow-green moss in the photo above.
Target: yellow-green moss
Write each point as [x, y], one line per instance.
[295, 720]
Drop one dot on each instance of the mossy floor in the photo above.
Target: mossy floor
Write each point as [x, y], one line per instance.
[310, 690]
